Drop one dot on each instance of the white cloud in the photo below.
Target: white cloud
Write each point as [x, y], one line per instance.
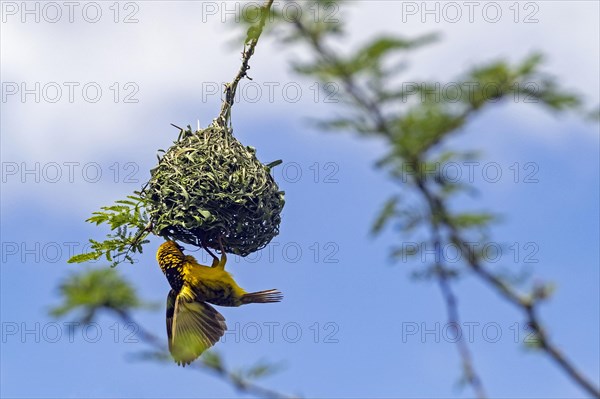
[177, 49]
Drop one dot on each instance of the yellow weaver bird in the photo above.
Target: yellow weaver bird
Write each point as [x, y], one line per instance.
[192, 324]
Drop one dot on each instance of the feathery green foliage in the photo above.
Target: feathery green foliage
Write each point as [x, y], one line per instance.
[93, 290]
[122, 218]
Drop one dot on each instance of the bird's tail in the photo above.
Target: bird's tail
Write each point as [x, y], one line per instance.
[266, 296]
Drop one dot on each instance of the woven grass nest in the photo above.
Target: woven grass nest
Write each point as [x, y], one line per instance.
[209, 186]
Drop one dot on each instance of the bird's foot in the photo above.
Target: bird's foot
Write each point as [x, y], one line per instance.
[221, 263]
[215, 261]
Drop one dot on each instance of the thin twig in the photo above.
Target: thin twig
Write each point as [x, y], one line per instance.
[470, 372]
[347, 80]
[442, 274]
[443, 278]
[529, 307]
[240, 383]
[526, 305]
[140, 235]
[253, 35]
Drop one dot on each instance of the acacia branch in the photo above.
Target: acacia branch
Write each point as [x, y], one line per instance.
[529, 306]
[361, 99]
[443, 277]
[241, 384]
[375, 112]
[438, 210]
[252, 37]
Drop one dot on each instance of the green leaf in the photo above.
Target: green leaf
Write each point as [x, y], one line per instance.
[271, 165]
[382, 46]
[84, 257]
[213, 360]
[386, 213]
[470, 220]
[205, 213]
[262, 369]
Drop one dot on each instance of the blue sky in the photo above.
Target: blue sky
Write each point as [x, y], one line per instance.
[361, 304]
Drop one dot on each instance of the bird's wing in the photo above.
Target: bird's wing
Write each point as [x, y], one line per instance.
[170, 312]
[194, 327]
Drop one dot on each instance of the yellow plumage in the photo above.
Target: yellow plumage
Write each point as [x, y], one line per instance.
[192, 324]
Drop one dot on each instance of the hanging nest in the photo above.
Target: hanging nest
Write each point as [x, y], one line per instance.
[209, 186]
